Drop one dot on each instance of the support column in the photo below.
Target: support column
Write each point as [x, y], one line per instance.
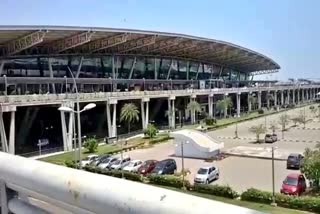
[64, 130]
[282, 97]
[70, 131]
[111, 121]
[145, 112]
[51, 74]
[294, 96]
[268, 99]
[307, 93]
[12, 133]
[210, 104]
[298, 96]
[172, 112]
[259, 99]
[193, 113]
[225, 111]
[173, 118]
[1, 66]
[288, 96]
[249, 102]
[275, 98]
[238, 104]
[302, 94]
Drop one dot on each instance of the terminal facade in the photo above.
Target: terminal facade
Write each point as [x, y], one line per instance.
[42, 67]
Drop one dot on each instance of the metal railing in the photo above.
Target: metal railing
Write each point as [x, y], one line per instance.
[80, 192]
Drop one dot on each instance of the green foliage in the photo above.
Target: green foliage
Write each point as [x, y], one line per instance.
[283, 121]
[302, 203]
[91, 145]
[258, 130]
[302, 118]
[311, 107]
[273, 127]
[70, 164]
[129, 113]
[217, 190]
[260, 111]
[151, 131]
[160, 139]
[210, 121]
[291, 105]
[311, 166]
[225, 104]
[194, 106]
[168, 180]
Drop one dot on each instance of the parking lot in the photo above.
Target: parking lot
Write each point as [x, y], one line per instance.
[242, 173]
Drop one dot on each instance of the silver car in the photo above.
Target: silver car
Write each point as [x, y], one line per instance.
[206, 174]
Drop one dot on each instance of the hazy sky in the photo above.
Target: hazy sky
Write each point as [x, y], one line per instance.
[288, 31]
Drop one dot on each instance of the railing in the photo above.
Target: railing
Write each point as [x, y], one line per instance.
[83, 192]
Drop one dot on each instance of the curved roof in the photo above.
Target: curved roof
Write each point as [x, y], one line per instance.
[56, 40]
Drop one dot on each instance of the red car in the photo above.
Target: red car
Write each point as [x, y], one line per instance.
[147, 167]
[294, 184]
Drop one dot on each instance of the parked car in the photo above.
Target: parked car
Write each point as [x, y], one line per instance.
[107, 162]
[270, 138]
[133, 166]
[90, 158]
[294, 161]
[120, 163]
[99, 160]
[206, 174]
[167, 166]
[294, 184]
[147, 167]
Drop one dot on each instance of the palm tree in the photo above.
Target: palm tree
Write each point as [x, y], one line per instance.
[258, 130]
[193, 107]
[223, 105]
[229, 103]
[129, 113]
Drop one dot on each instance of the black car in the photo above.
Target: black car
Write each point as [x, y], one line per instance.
[167, 166]
[294, 161]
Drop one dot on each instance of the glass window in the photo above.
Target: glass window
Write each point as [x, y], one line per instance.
[291, 181]
[202, 171]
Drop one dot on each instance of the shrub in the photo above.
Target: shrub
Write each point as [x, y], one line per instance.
[70, 164]
[91, 145]
[168, 180]
[150, 131]
[311, 107]
[217, 190]
[160, 139]
[303, 202]
[260, 111]
[210, 121]
[291, 105]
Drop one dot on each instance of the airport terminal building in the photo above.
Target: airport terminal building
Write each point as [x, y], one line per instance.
[156, 70]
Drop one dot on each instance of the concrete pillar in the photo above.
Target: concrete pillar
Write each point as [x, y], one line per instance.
[288, 96]
[275, 98]
[268, 99]
[249, 102]
[293, 96]
[172, 112]
[282, 97]
[307, 94]
[145, 112]
[210, 104]
[193, 113]
[64, 130]
[143, 119]
[111, 121]
[12, 133]
[259, 100]
[298, 96]
[238, 104]
[70, 131]
[173, 118]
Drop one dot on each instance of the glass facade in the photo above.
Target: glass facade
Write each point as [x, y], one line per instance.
[124, 67]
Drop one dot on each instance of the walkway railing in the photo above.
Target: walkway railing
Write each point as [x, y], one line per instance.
[83, 192]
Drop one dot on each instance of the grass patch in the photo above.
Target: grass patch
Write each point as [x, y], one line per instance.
[250, 205]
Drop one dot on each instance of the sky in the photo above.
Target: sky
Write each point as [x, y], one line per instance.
[288, 31]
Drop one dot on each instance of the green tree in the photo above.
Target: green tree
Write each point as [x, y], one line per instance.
[151, 131]
[302, 119]
[129, 114]
[295, 120]
[91, 145]
[273, 127]
[258, 130]
[224, 105]
[228, 103]
[283, 121]
[311, 166]
[193, 107]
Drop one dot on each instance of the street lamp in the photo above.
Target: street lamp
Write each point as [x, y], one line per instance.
[273, 185]
[70, 110]
[121, 150]
[182, 159]
[236, 131]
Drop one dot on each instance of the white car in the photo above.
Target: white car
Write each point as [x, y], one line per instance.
[86, 161]
[206, 174]
[120, 164]
[133, 166]
[106, 163]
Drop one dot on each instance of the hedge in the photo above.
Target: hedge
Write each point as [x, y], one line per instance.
[160, 139]
[168, 180]
[306, 203]
[217, 190]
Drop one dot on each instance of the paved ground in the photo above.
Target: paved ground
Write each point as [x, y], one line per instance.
[239, 172]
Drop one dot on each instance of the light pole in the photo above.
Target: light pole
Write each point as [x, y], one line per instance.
[5, 85]
[273, 186]
[121, 150]
[236, 131]
[182, 160]
[70, 110]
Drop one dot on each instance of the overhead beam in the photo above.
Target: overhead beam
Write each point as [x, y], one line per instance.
[205, 49]
[25, 42]
[163, 45]
[215, 51]
[135, 44]
[181, 47]
[250, 61]
[109, 42]
[71, 42]
[229, 55]
[238, 59]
